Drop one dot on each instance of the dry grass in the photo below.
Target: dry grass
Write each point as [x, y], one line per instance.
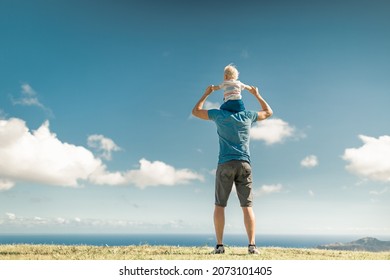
[146, 252]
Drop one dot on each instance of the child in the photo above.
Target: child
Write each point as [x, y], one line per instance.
[232, 90]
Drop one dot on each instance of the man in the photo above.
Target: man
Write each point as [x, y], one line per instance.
[234, 162]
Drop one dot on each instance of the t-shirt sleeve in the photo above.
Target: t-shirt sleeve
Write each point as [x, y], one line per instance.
[242, 85]
[253, 116]
[213, 113]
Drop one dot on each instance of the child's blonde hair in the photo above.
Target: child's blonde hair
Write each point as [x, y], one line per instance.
[231, 72]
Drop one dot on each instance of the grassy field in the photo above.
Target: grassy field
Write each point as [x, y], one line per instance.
[146, 252]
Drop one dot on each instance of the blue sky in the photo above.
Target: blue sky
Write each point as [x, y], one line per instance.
[96, 133]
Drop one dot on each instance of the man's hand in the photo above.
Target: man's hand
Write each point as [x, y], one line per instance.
[198, 110]
[254, 90]
[266, 111]
[214, 88]
[209, 89]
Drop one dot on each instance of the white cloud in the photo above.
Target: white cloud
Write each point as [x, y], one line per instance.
[311, 193]
[272, 131]
[39, 221]
[61, 221]
[11, 216]
[6, 185]
[3, 115]
[40, 157]
[372, 160]
[211, 105]
[29, 97]
[268, 189]
[310, 161]
[78, 224]
[207, 106]
[383, 191]
[149, 174]
[104, 145]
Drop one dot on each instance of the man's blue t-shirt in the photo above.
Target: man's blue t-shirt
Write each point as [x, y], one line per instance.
[233, 130]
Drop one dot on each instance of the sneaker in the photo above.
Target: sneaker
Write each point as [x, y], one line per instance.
[253, 250]
[219, 249]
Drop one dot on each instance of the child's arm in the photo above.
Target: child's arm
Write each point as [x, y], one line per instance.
[248, 88]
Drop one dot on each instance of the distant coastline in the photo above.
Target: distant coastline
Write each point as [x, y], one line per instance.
[368, 244]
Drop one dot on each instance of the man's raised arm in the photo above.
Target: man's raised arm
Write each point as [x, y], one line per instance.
[266, 110]
[198, 110]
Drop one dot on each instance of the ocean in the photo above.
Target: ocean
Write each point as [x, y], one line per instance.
[288, 241]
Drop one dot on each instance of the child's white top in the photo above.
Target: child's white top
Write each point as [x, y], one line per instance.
[232, 89]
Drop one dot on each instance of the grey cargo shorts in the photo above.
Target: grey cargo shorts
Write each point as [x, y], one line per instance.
[238, 172]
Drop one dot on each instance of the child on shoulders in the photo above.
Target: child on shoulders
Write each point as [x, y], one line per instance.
[232, 88]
